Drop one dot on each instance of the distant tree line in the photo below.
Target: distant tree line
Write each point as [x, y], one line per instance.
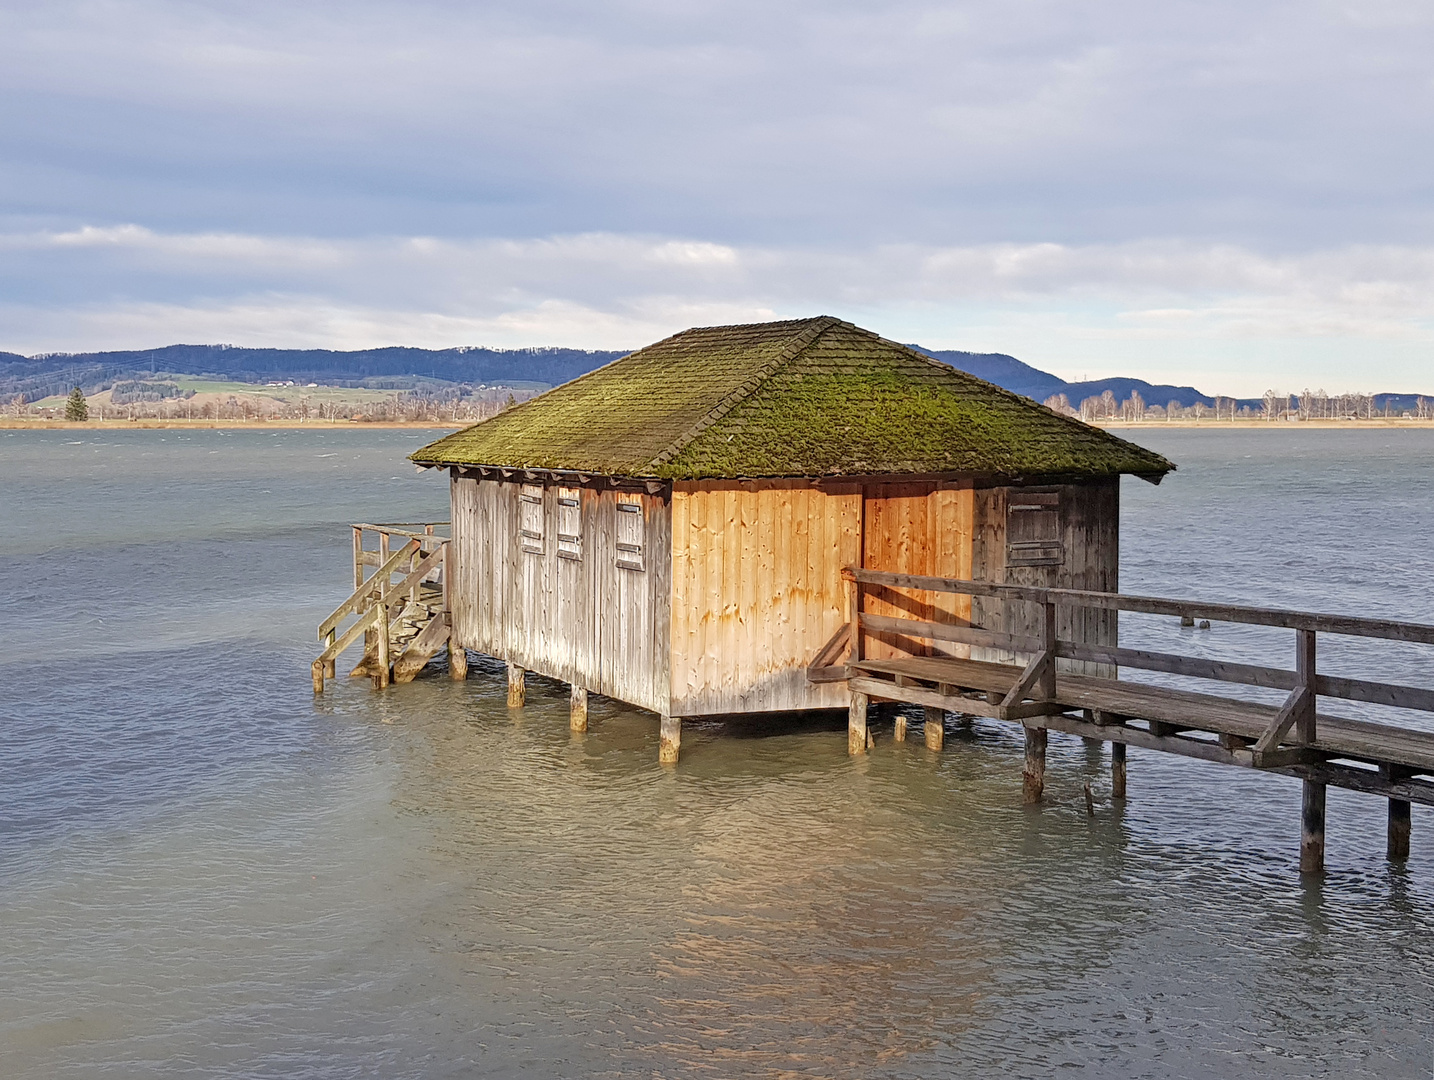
[1309, 405]
[458, 404]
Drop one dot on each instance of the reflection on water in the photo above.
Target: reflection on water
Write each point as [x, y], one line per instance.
[205, 872]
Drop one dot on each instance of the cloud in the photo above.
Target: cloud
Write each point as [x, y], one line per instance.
[1179, 189]
[915, 122]
[1110, 307]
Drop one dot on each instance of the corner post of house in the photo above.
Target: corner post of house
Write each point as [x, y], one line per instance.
[669, 739]
[856, 733]
[578, 708]
[517, 689]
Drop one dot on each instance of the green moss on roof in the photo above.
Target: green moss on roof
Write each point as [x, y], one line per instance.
[814, 397]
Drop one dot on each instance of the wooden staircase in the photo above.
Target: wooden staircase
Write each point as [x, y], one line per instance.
[401, 610]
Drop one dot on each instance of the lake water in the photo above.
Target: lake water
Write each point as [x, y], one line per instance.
[206, 872]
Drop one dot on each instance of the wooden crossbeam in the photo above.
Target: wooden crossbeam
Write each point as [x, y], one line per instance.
[1034, 672]
[1296, 706]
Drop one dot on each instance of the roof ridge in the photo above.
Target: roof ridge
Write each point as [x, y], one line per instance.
[789, 352]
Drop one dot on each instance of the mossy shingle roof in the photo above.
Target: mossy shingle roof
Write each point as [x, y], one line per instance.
[810, 397]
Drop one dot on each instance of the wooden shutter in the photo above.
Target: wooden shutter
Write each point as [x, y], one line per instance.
[631, 532]
[570, 523]
[1033, 529]
[530, 518]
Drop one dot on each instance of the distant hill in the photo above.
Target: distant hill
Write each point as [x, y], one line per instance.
[55, 373]
[1021, 378]
[404, 368]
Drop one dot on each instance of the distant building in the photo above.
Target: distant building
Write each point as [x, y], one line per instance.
[670, 529]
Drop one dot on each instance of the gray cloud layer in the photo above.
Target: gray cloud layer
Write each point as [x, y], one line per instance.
[1240, 182]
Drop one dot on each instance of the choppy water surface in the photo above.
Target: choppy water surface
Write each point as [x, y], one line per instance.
[204, 872]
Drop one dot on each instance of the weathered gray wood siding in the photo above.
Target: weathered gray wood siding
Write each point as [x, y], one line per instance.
[585, 621]
[1090, 537]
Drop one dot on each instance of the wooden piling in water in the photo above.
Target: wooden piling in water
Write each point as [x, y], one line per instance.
[578, 708]
[1117, 770]
[669, 739]
[1397, 840]
[457, 661]
[1397, 831]
[934, 727]
[1033, 776]
[898, 728]
[1312, 828]
[384, 674]
[517, 692]
[856, 725]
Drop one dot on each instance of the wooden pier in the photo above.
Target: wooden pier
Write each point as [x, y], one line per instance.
[1040, 680]
[1291, 739]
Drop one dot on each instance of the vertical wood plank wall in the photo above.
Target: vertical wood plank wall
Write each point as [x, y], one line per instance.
[1090, 536]
[585, 621]
[917, 528]
[742, 585]
[756, 593]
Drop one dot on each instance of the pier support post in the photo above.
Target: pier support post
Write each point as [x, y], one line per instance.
[670, 738]
[317, 667]
[899, 728]
[1117, 770]
[516, 691]
[1312, 828]
[1033, 777]
[578, 708]
[1397, 847]
[935, 728]
[457, 661]
[856, 725]
[384, 675]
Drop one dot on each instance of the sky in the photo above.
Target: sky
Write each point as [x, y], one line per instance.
[1238, 196]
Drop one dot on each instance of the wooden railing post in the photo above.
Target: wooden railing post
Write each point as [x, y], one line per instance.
[358, 556]
[853, 618]
[382, 676]
[1047, 684]
[1306, 678]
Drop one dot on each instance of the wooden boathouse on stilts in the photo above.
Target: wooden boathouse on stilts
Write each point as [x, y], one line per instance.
[802, 515]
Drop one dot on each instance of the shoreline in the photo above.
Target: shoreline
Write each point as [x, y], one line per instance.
[21, 423]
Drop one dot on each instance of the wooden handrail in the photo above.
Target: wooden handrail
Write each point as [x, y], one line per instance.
[1303, 683]
[369, 621]
[373, 581]
[1388, 629]
[418, 573]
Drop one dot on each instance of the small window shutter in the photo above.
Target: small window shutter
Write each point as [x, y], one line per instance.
[1033, 529]
[530, 518]
[630, 528]
[570, 523]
